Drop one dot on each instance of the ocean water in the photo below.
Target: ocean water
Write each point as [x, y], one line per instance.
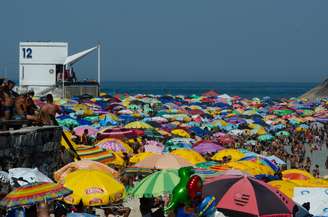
[244, 89]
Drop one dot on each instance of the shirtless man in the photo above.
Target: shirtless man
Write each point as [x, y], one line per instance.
[50, 108]
[20, 106]
[8, 101]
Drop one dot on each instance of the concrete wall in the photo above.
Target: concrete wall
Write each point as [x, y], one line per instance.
[31, 147]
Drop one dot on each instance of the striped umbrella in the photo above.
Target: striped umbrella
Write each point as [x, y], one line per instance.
[98, 154]
[34, 193]
[156, 184]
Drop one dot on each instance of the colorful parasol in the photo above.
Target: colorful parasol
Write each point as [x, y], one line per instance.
[156, 184]
[93, 188]
[247, 196]
[34, 193]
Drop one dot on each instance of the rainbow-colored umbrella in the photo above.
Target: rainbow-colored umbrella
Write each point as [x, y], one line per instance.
[34, 193]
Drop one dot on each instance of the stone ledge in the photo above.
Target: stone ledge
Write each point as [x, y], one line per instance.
[31, 147]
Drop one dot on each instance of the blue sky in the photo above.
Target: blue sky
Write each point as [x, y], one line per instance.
[177, 40]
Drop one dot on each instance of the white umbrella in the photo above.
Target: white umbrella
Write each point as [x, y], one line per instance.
[318, 198]
[25, 176]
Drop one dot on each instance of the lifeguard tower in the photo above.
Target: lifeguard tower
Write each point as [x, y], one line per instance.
[46, 67]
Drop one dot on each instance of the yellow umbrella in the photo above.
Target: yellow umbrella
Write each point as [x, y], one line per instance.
[84, 109]
[118, 160]
[180, 133]
[93, 188]
[233, 153]
[65, 143]
[190, 155]
[261, 169]
[163, 132]
[219, 123]
[259, 131]
[138, 125]
[238, 166]
[319, 183]
[249, 167]
[140, 156]
[284, 186]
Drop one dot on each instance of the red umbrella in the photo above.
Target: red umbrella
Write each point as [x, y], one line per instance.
[248, 197]
[210, 93]
[225, 140]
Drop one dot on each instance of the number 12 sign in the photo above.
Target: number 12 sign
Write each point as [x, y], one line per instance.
[27, 53]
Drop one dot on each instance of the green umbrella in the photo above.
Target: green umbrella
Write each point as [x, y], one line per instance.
[265, 137]
[283, 112]
[156, 184]
[283, 133]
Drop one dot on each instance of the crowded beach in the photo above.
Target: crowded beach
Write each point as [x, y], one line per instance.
[166, 155]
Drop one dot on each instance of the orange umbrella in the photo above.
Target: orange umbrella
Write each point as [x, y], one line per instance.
[60, 174]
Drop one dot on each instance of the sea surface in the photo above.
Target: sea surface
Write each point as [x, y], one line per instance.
[275, 90]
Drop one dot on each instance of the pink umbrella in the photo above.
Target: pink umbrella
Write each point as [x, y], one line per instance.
[112, 144]
[80, 129]
[154, 146]
[207, 147]
[163, 161]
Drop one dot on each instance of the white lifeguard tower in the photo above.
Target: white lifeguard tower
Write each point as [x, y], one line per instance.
[46, 67]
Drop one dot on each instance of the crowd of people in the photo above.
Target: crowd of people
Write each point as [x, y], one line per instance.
[295, 147]
[21, 107]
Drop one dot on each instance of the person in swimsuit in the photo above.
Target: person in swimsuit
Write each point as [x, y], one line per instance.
[8, 101]
[51, 109]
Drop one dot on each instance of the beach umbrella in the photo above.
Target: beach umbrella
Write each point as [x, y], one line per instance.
[138, 125]
[265, 137]
[276, 160]
[259, 131]
[302, 127]
[98, 154]
[317, 197]
[283, 112]
[247, 196]
[140, 156]
[319, 183]
[115, 145]
[163, 161]
[176, 141]
[24, 176]
[190, 155]
[68, 122]
[226, 140]
[204, 147]
[170, 148]
[154, 146]
[284, 186]
[296, 174]
[34, 193]
[181, 133]
[250, 167]
[60, 174]
[261, 160]
[233, 153]
[80, 130]
[156, 184]
[283, 133]
[93, 188]
[250, 143]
